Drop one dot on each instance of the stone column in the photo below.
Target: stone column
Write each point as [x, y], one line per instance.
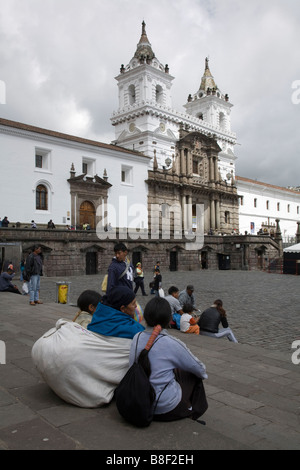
[217, 206]
[216, 170]
[278, 238]
[211, 170]
[182, 162]
[184, 212]
[212, 214]
[189, 163]
[298, 233]
[105, 212]
[189, 213]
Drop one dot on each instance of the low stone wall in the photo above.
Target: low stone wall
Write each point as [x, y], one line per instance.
[68, 253]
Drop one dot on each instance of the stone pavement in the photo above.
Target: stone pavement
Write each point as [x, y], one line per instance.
[253, 387]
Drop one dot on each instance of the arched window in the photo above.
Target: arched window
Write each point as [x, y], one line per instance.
[222, 121]
[41, 198]
[131, 93]
[159, 94]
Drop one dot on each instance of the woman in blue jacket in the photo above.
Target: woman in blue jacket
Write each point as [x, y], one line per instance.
[114, 314]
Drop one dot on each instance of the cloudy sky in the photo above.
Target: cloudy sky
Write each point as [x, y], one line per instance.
[58, 60]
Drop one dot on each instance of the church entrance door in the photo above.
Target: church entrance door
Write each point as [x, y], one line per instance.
[87, 214]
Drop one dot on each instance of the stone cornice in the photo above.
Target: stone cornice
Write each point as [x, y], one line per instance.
[168, 114]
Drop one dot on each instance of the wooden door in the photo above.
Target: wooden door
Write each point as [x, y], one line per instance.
[87, 214]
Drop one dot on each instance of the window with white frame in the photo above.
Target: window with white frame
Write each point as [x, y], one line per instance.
[88, 166]
[126, 174]
[42, 159]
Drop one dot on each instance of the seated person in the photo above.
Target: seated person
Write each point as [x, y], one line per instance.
[186, 296]
[188, 323]
[87, 303]
[210, 320]
[175, 373]
[5, 281]
[176, 308]
[83, 366]
[114, 315]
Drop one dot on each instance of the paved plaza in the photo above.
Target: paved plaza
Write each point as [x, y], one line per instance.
[253, 387]
[263, 309]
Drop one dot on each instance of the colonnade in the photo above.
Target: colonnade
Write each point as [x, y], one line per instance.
[214, 219]
[186, 169]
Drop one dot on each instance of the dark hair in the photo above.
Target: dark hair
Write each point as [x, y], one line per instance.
[120, 247]
[187, 308]
[86, 298]
[157, 312]
[219, 306]
[172, 290]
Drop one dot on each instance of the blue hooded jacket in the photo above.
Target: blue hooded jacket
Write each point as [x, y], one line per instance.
[108, 321]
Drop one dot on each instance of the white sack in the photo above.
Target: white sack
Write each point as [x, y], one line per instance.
[81, 367]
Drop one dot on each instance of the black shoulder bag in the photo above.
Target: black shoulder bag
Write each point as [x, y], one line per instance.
[135, 395]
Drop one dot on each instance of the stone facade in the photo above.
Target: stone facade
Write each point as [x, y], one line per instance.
[68, 253]
[194, 180]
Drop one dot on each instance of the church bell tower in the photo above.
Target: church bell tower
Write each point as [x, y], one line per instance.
[142, 121]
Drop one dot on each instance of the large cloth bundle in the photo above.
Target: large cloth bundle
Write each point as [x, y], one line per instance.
[81, 367]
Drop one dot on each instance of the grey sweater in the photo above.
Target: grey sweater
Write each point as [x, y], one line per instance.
[167, 354]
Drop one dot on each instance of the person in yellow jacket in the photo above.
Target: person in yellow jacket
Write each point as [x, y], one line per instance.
[139, 279]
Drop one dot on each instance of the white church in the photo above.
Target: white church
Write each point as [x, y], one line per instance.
[47, 175]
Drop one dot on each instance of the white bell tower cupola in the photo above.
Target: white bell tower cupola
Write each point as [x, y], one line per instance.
[209, 104]
[142, 121]
[213, 109]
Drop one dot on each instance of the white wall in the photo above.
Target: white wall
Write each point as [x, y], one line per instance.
[288, 213]
[20, 177]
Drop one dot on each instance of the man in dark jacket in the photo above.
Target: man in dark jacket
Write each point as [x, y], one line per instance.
[34, 269]
[120, 271]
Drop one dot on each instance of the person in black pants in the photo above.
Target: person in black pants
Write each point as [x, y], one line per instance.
[139, 279]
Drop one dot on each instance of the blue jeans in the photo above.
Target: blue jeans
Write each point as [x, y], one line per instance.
[34, 287]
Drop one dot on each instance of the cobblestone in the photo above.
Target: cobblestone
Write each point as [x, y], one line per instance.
[252, 387]
[263, 309]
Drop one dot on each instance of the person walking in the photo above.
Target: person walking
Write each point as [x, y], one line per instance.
[139, 279]
[156, 267]
[34, 270]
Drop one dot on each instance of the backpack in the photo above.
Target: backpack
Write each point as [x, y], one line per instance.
[135, 396]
